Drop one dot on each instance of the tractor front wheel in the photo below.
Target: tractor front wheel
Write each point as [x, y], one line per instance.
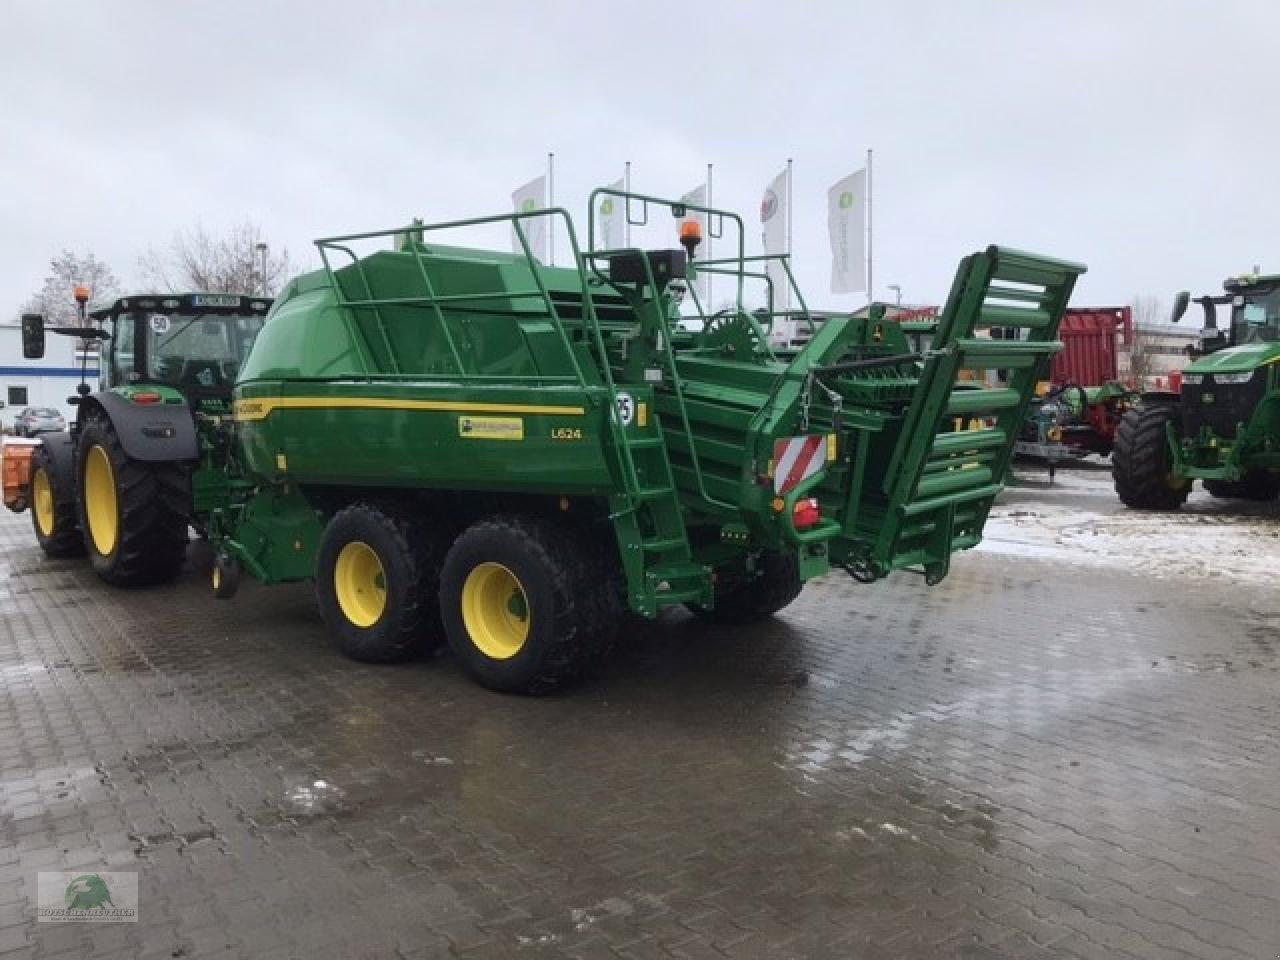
[525, 604]
[376, 575]
[1256, 485]
[133, 514]
[759, 594]
[54, 518]
[1142, 463]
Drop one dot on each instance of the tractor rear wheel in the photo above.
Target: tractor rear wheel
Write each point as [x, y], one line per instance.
[757, 596]
[376, 576]
[54, 519]
[525, 605]
[1142, 463]
[133, 514]
[1256, 485]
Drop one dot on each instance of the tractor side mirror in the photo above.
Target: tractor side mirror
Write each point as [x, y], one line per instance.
[32, 336]
[1180, 304]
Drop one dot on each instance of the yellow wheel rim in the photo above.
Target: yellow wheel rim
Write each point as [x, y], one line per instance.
[217, 577]
[42, 497]
[360, 583]
[101, 507]
[495, 611]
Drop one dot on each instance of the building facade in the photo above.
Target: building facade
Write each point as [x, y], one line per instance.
[42, 383]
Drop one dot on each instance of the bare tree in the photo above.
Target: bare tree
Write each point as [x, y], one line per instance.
[1148, 312]
[56, 297]
[240, 261]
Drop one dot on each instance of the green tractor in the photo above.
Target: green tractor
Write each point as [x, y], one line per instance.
[472, 446]
[141, 463]
[1224, 428]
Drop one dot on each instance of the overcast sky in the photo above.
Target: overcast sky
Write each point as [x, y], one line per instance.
[1139, 138]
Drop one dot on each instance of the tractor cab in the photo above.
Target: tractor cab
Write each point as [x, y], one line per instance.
[1255, 313]
[194, 343]
[1255, 309]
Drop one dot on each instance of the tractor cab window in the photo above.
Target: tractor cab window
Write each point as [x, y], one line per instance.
[200, 351]
[123, 365]
[1257, 319]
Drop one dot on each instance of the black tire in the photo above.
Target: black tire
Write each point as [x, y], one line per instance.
[1142, 464]
[563, 580]
[398, 618]
[53, 517]
[150, 503]
[1256, 485]
[748, 597]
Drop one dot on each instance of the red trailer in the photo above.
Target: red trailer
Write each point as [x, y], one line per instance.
[1092, 338]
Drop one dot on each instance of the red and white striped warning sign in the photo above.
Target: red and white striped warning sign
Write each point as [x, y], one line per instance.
[795, 459]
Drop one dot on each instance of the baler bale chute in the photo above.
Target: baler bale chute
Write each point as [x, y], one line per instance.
[472, 445]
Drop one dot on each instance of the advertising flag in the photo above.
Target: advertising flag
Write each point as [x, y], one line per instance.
[532, 196]
[847, 229]
[773, 222]
[698, 196]
[611, 219]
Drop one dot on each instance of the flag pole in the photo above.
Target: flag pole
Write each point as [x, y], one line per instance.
[788, 206]
[787, 292]
[626, 208]
[870, 234]
[551, 187]
[710, 277]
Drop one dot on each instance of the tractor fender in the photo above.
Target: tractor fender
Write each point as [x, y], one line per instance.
[60, 448]
[152, 433]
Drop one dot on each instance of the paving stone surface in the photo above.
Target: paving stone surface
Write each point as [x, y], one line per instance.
[1033, 759]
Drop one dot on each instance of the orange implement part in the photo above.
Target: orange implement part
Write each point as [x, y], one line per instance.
[16, 459]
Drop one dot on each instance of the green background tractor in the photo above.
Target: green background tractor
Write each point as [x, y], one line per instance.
[1224, 428]
[124, 483]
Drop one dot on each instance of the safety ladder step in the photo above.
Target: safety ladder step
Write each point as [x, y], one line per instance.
[671, 597]
[965, 441]
[991, 315]
[982, 400]
[662, 544]
[1004, 354]
[671, 572]
[655, 493]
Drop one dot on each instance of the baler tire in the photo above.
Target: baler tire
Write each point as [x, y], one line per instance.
[1141, 465]
[553, 572]
[151, 503]
[775, 586]
[63, 539]
[408, 622]
[1255, 485]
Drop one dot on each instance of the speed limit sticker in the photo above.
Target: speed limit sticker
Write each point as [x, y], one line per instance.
[626, 408]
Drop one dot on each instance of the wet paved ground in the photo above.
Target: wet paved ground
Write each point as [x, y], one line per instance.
[1037, 758]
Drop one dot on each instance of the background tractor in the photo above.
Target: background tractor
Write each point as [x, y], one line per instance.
[1224, 427]
[139, 464]
[470, 445]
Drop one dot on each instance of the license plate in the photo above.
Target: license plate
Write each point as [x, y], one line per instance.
[214, 300]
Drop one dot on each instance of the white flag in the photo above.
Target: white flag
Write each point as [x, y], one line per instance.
[532, 196]
[611, 218]
[698, 197]
[847, 228]
[773, 220]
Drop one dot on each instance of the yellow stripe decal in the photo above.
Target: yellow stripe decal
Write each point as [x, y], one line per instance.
[259, 408]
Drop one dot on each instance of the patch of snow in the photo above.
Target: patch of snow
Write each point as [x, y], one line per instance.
[1079, 520]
